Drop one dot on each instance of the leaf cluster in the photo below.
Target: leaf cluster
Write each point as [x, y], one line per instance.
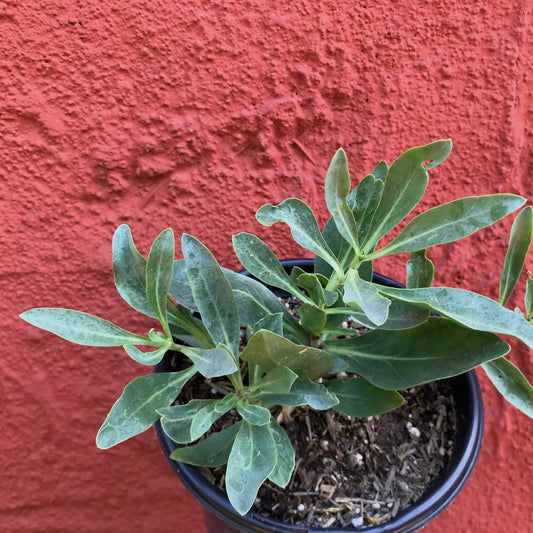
[234, 327]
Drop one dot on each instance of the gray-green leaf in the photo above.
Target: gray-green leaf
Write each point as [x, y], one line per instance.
[212, 293]
[212, 362]
[180, 288]
[473, 310]
[81, 328]
[420, 270]
[252, 459]
[339, 246]
[366, 296]
[269, 322]
[278, 379]
[311, 284]
[511, 383]
[337, 188]
[366, 199]
[303, 225]
[303, 392]
[252, 310]
[136, 409]
[129, 270]
[405, 185]
[451, 222]
[402, 315]
[211, 452]
[281, 475]
[146, 358]
[528, 298]
[159, 271]
[209, 414]
[254, 300]
[253, 414]
[258, 258]
[515, 257]
[176, 420]
[313, 318]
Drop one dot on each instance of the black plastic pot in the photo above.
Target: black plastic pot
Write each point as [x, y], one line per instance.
[220, 517]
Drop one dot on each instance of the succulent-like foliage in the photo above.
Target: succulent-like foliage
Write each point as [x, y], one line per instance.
[307, 358]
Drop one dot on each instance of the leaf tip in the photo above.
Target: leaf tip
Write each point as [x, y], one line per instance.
[265, 215]
[103, 439]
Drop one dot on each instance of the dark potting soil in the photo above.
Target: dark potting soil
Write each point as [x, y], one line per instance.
[352, 471]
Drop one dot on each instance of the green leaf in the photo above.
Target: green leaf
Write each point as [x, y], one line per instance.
[257, 257]
[136, 410]
[312, 318]
[270, 350]
[211, 362]
[129, 270]
[358, 397]
[209, 414]
[253, 414]
[252, 458]
[81, 328]
[437, 349]
[420, 270]
[337, 188]
[511, 383]
[366, 199]
[146, 358]
[282, 473]
[365, 295]
[176, 420]
[211, 452]
[303, 225]
[159, 271]
[515, 257]
[302, 392]
[473, 310]
[213, 294]
[451, 222]
[405, 185]
[278, 379]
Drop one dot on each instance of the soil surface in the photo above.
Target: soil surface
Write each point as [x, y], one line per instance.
[353, 471]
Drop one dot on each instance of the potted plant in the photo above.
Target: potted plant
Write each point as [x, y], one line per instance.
[351, 344]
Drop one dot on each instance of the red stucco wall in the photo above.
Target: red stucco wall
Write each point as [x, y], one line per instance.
[192, 114]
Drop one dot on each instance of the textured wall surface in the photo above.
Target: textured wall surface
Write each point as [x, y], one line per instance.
[192, 114]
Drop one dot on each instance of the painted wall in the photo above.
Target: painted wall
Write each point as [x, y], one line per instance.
[192, 114]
